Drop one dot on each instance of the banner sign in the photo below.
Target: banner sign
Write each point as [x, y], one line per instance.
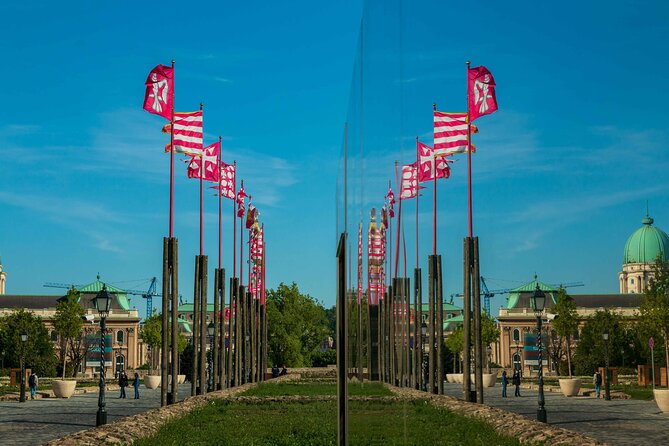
[531, 351]
[93, 354]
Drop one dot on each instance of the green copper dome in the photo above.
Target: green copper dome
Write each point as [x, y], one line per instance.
[646, 244]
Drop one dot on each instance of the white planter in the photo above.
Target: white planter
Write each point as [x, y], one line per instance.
[489, 379]
[570, 386]
[662, 399]
[152, 381]
[181, 379]
[63, 389]
[457, 377]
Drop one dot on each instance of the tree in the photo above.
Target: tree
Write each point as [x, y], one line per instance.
[297, 324]
[152, 335]
[655, 308]
[566, 323]
[68, 322]
[39, 353]
[455, 343]
[591, 350]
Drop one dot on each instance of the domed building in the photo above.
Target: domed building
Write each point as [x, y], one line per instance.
[641, 250]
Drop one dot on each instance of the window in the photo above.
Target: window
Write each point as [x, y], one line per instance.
[631, 281]
[54, 336]
[516, 361]
[120, 337]
[516, 335]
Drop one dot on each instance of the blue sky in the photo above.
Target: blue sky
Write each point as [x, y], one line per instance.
[562, 175]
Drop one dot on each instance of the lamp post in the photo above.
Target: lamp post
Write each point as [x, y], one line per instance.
[24, 338]
[210, 331]
[607, 394]
[102, 302]
[423, 336]
[539, 300]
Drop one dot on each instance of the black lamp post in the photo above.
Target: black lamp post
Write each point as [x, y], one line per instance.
[423, 338]
[539, 301]
[102, 303]
[210, 332]
[607, 394]
[24, 338]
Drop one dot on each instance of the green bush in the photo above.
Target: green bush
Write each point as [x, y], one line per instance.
[144, 367]
[323, 359]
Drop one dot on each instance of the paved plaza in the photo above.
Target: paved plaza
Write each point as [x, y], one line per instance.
[41, 420]
[617, 422]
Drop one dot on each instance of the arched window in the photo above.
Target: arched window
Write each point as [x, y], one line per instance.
[120, 337]
[516, 335]
[54, 336]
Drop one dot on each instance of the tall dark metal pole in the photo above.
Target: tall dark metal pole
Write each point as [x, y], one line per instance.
[430, 324]
[607, 383]
[541, 411]
[466, 295]
[173, 269]
[22, 395]
[476, 300]
[196, 331]
[101, 417]
[417, 319]
[164, 318]
[342, 367]
[217, 324]
[439, 300]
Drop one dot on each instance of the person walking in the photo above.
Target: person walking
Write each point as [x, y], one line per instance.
[515, 380]
[32, 382]
[135, 384]
[505, 382]
[597, 381]
[122, 382]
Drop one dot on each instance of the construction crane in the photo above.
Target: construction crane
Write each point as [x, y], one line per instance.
[148, 295]
[487, 293]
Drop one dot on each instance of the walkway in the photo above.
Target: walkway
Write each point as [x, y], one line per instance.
[617, 422]
[41, 420]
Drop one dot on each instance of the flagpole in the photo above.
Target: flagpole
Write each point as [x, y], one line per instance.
[171, 224]
[389, 242]
[234, 223]
[220, 205]
[201, 175]
[399, 221]
[469, 158]
[417, 194]
[434, 206]
[241, 248]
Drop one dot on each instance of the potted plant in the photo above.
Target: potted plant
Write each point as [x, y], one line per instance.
[68, 323]
[565, 325]
[655, 317]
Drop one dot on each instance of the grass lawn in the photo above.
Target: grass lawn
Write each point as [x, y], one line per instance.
[311, 389]
[315, 423]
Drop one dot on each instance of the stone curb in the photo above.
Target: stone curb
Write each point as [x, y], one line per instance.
[145, 424]
[49, 393]
[526, 430]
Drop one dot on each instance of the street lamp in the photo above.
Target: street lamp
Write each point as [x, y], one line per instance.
[24, 338]
[539, 301]
[102, 302]
[210, 332]
[423, 338]
[607, 394]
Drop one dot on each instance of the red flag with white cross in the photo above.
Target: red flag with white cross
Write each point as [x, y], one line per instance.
[159, 95]
[482, 98]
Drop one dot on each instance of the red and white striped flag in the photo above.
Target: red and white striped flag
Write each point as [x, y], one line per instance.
[209, 159]
[409, 183]
[430, 164]
[359, 263]
[187, 133]
[450, 133]
[226, 184]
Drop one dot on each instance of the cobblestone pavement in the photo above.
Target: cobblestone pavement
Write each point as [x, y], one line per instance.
[41, 420]
[617, 422]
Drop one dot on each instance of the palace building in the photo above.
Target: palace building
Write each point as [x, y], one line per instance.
[517, 318]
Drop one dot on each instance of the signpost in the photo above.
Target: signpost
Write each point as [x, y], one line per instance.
[651, 344]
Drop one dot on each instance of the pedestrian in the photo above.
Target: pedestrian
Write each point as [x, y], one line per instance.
[32, 382]
[515, 380]
[597, 381]
[122, 382]
[284, 372]
[135, 384]
[275, 371]
[505, 382]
